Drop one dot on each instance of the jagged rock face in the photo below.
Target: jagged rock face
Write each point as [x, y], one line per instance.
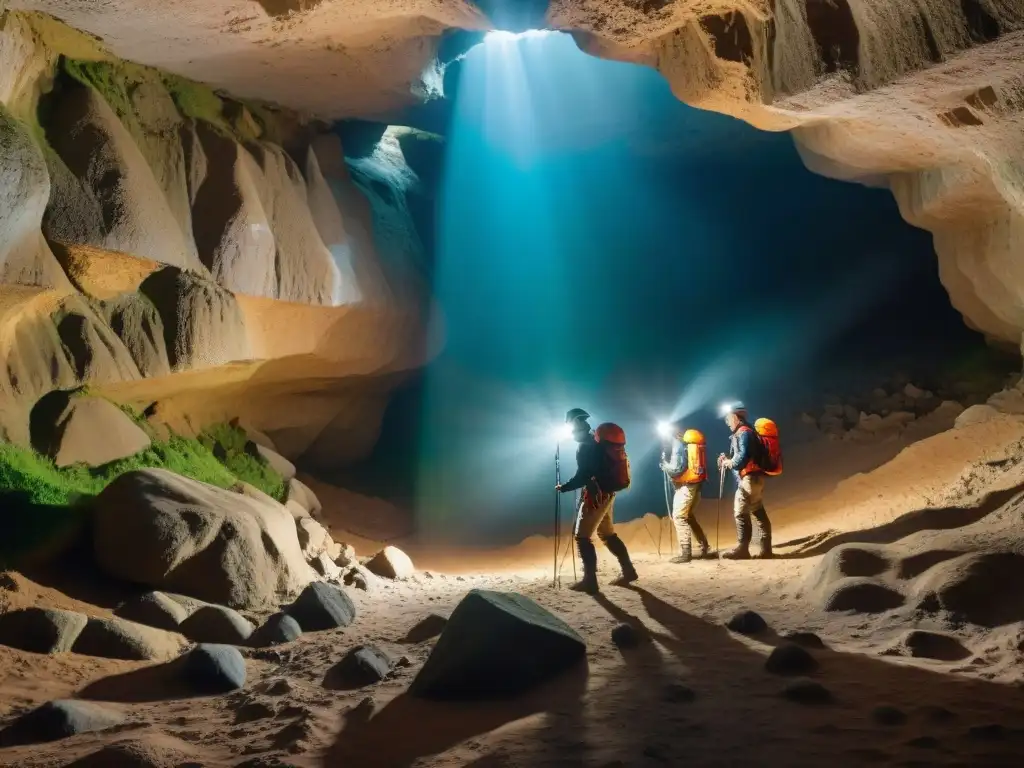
[926, 97]
[151, 228]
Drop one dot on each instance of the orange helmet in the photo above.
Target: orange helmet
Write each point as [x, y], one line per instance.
[766, 427]
[610, 433]
[693, 436]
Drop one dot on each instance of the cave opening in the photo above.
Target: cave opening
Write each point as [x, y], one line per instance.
[600, 244]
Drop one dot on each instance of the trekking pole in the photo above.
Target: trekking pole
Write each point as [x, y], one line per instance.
[575, 512]
[718, 515]
[558, 513]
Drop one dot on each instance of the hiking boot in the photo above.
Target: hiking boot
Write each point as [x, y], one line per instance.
[764, 530]
[587, 585]
[703, 551]
[737, 553]
[618, 548]
[681, 559]
[627, 577]
[742, 549]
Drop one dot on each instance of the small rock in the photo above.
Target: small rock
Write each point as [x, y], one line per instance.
[217, 624]
[626, 636]
[41, 630]
[806, 639]
[154, 609]
[279, 628]
[790, 659]
[678, 693]
[322, 606]
[359, 668]
[747, 623]
[428, 628]
[888, 715]
[58, 720]
[357, 576]
[212, 668]
[807, 692]
[391, 563]
[913, 392]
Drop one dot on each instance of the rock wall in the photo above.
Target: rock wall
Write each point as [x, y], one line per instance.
[924, 97]
[183, 251]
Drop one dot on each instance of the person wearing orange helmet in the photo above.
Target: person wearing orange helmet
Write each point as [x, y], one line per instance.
[747, 465]
[594, 514]
[687, 469]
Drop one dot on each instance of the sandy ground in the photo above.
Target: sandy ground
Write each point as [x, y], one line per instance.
[693, 692]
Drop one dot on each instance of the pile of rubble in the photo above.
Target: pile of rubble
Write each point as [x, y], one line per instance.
[888, 412]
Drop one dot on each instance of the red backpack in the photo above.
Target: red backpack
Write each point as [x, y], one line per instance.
[614, 475]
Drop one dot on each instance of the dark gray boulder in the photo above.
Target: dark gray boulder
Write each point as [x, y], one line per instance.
[212, 668]
[278, 629]
[497, 644]
[322, 606]
[359, 668]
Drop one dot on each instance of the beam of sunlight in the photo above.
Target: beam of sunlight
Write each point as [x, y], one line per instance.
[590, 254]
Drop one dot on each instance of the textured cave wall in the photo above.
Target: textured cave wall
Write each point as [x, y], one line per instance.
[925, 97]
[169, 245]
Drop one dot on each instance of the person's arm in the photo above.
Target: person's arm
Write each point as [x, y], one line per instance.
[583, 471]
[676, 464]
[741, 455]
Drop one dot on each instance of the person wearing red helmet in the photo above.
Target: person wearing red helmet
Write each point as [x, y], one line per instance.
[747, 464]
[687, 469]
[595, 511]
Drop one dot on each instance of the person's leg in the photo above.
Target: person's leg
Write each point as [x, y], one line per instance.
[683, 501]
[741, 512]
[588, 517]
[761, 521]
[698, 532]
[606, 530]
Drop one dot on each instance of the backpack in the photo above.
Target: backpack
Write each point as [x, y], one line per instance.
[770, 459]
[614, 474]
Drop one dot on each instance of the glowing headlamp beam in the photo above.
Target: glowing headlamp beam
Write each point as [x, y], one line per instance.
[504, 36]
[664, 429]
[561, 432]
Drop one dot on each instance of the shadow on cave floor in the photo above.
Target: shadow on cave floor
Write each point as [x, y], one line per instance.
[932, 519]
[694, 693]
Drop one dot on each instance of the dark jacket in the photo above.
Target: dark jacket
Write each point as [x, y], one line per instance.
[742, 449]
[588, 464]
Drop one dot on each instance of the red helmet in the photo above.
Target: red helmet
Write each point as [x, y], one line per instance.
[610, 433]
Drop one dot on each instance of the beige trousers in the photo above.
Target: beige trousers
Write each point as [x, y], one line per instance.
[749, 496]
[595, 517]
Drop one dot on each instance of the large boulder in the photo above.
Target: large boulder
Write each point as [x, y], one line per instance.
[278, 463]
[497, 644]
[314, 540]
[74, 429]
[41, 630]
[157, 528]
[301, 494]
[391, 563]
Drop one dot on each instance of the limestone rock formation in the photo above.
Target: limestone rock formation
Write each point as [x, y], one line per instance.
[923, 98]
[156, 528]
[149, 226]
